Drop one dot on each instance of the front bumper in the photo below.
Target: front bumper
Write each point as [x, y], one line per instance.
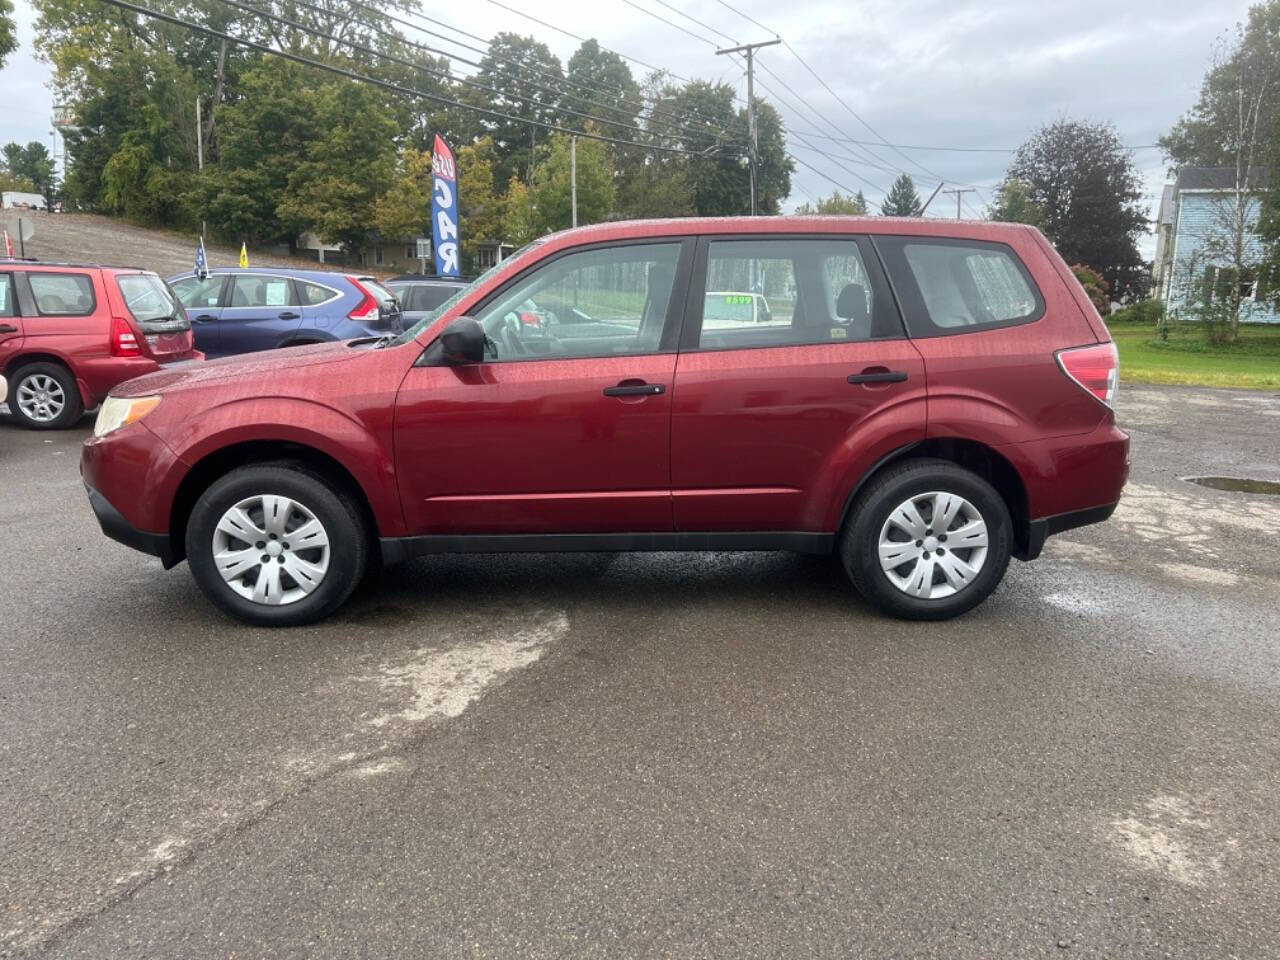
[115, 526]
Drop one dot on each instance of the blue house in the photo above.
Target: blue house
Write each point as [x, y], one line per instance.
[1193, 232]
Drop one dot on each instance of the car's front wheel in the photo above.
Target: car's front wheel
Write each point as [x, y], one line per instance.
[276, 544]
[927, 540]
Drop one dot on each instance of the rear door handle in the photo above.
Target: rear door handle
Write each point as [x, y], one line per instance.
[635, 390]
[878, 376]
[288, 315]
[8, 328]
[204, 318]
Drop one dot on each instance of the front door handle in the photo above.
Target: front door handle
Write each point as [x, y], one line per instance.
[878, 376]
[8, 328]
[288, 315]
[635, 390]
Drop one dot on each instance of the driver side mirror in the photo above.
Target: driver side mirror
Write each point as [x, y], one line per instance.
[463, 342]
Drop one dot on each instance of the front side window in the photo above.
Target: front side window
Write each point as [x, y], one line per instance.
[196, 292]
[784, 292]
[258, 291]
[7, 308]
[595, 303]
[62, 294]
[963, 285]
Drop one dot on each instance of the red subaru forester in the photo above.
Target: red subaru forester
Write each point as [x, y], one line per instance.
[923, 398]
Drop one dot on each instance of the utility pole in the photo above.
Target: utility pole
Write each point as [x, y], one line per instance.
[960, 193]
[573, 177]
[749, 49]
[199, 139]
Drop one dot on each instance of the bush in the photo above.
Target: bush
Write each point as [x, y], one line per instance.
[1093, 285]
[1149, 312]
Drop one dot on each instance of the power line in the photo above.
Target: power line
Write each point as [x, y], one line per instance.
[385, 84]
[470, 81]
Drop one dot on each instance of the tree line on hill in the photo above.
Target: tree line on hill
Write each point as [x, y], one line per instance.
[288, 148]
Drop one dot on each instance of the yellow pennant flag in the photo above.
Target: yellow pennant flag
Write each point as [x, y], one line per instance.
[244, 255]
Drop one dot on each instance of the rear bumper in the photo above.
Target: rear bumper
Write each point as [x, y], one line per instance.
[115, 526]
[1042, 529]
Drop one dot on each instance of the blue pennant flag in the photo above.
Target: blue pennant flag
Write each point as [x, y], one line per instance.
[202, 265]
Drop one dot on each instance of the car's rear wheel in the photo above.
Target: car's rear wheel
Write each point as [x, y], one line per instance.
[927, 540]
[44, 396]
[276, 544]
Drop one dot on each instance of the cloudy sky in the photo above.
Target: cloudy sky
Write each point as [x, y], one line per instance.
[921, 73]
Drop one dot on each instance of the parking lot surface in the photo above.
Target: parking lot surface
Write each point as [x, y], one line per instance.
[657, 755]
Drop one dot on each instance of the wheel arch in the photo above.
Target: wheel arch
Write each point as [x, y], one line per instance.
[21, 360]
[246, 453]
[972, 455]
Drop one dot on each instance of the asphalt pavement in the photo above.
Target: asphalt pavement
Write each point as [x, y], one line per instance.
[657, 755]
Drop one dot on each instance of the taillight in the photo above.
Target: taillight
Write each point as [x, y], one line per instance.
[124, 342]
[1095, 368]
[366, 310]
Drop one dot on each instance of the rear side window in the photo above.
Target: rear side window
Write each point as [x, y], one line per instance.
[254, 291]
[313, 294]
[62, 294]
[959, 286]
[790, 291]
[6, 296]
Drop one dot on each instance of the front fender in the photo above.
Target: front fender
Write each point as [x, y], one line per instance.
[338, 435]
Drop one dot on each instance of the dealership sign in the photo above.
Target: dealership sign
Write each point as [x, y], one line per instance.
[444, 209]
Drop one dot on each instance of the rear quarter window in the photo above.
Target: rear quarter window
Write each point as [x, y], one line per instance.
[959, 286]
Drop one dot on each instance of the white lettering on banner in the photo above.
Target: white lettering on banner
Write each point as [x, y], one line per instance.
[442, 166]
[448, 253]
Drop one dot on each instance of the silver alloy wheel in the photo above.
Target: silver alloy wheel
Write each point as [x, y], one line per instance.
[933, 545]
[40, 397]
[271, 550]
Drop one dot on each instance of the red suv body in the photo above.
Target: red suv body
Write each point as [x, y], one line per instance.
[69, 333]
[925, 399]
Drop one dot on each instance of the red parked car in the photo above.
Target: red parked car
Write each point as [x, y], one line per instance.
[69, 333]
[926, 400]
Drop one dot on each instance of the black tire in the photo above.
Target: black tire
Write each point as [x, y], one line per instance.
[72, 405]
[860, 541]
[333, 507]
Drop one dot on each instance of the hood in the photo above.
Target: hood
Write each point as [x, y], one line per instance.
[249, 365]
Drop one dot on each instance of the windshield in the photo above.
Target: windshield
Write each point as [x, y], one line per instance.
[434, 315]
[148, 298]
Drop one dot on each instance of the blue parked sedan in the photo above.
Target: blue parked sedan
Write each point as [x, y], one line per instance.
[242, 309]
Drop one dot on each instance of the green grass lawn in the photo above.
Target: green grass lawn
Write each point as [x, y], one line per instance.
[1187, 358]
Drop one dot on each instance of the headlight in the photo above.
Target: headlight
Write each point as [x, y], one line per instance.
[117, 412]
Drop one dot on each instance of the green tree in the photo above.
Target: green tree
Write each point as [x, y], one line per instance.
[1015, 204]
[344, 167]
[32, 163]
[8, 31]
[518, 214]
[595, 76]
[526, 75]
[263, 135]
[837, 204]
[404, 211]
[700, 119]
[552, 201]
[1085, 183]
[480, 208]
[902, 199]
[1235, 125]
